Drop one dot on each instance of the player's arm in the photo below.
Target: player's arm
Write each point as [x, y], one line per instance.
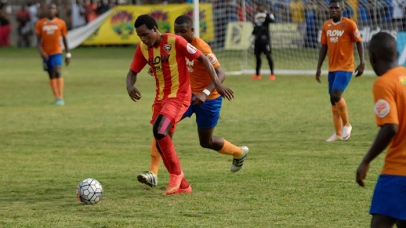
[68, 54]
[322, 56]
[382, 140]
[223, 90]
[221, 76]
[136, 66]
[133, 92]
[360, 69]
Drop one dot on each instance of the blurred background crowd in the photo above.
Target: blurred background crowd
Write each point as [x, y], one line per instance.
[18, 17]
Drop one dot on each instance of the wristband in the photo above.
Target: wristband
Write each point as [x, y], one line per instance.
[68, 55]
[206, 91]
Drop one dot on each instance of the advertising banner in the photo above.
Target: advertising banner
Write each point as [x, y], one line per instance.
[118, 27]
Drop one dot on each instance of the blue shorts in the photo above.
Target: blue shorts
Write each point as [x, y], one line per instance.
[52, 62]
[389, 197]
[207, 114]
[338, 80]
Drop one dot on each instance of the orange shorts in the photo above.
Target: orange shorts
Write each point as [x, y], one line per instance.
[173, 108]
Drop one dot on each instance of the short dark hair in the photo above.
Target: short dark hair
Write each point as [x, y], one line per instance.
[383, 46]
[183, 19]
[147, 20]
[337, 1]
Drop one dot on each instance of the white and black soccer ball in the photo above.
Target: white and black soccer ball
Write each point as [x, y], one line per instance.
[89, 191]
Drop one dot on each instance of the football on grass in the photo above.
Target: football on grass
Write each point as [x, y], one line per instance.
[89, 191]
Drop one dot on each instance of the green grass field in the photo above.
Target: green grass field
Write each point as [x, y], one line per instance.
[291, 178]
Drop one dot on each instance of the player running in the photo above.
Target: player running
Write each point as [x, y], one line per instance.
[206, 104]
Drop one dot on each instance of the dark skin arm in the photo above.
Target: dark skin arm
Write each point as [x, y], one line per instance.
[382, 140]
[39, 46]
[201, 97]
[133, 92]
[221, 89]
[360, 68]
[65, 43]
[322, 56]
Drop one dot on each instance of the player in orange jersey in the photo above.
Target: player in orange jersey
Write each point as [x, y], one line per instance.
[166, 54]
[206, 104]
[49, 31]
[388, 204]
[337, 38]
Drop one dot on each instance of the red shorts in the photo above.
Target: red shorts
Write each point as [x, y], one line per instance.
[173, 108]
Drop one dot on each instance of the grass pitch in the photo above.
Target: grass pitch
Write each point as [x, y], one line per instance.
[291, 178]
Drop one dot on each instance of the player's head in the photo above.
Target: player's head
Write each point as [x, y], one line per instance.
[52, 10]
[184, 27]
[336, 8]
[147, 29]
[261, 7]
[382, 52]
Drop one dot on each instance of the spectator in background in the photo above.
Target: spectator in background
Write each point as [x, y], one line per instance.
[297, 13]
[398, 17]
[231, 11]
[77, 13]
[24, 28]
[5, 26]
[90, 7]
[33, 8]
[311, 12]
[102, 7]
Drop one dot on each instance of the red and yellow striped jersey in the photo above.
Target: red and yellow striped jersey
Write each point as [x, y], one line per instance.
[168, 63]
[51, 32]
[199, 77]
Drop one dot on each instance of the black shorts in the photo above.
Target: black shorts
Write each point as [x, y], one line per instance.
[263, 47]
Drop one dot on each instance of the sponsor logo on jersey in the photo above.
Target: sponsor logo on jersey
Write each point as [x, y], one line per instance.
[167, 47]
[212, 58]
[402, 80]
[335, 32]
[50, 29]
[382, 108]
[190, 64]
[191, 49]
[158, 59]
[333, 39]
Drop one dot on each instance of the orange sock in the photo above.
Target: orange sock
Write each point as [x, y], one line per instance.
[342, 110]
[60, 84]
[155, 158]
[230, 149]
[338, 124]
[54, 87]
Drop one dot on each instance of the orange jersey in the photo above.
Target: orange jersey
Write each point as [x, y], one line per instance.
[51, 32]
[390, 108]
[199, 77]
[340, 38]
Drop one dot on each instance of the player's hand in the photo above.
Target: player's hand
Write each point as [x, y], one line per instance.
[67, 61]
[134, 93]
[150, 72]
[318, 73]
[360, 69]
[361, 173]
[44, 56]
[199, 99]
[225, 92]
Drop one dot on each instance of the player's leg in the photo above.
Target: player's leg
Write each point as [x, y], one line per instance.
[381, 221]
[401, 224]
[47, 65]
[268, 54]
[207, 116]
[171, 112]
[57, 66]
[388, 204]
[341, 81]
[257, 53]
[337, 121]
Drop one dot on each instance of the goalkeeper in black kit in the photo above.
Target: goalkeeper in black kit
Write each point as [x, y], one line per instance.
[262, 42]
